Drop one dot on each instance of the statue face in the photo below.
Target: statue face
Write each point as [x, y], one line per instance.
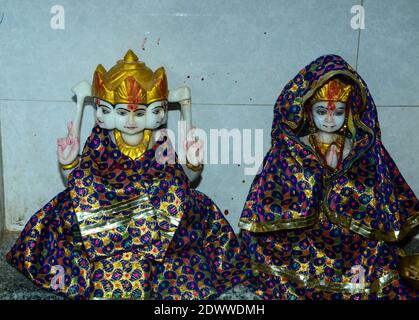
[328, 116]
[156, 114]
[105, 115]
[130, 118]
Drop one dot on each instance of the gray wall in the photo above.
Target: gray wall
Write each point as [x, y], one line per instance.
[2, 214]
[235, 55]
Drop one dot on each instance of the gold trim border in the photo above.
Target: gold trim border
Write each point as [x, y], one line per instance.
[276, 225]
[357, 227]
[115, 222]
[336, 287]
[83, 215]
[139, 211]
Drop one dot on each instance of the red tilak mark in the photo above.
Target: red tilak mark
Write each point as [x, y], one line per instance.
[331, 106]
[132, 107]
[144, 42]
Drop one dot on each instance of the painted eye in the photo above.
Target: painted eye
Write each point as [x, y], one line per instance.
[122, 112]
[140, 114]
[105, 111]
[157, 110]
[321, 112]
[339, 113]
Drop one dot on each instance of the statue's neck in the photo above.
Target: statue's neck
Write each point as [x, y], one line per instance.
[135, 139]
[132, 139]
[326, 137]
[129, 139]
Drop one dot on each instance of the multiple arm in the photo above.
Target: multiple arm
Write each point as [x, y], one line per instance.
[192, 147]
[69, 147]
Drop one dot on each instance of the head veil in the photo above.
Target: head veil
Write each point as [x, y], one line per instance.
[367, 195]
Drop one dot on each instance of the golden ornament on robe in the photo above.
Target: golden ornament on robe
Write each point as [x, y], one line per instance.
[324, 147]
[409, 270]
[130, 81]
[133, 152]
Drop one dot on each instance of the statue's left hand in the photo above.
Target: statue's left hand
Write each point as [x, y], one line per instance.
[68, 148]
[194, 150]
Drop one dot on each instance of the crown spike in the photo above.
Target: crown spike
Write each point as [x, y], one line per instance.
[130, 56]
[100, 68]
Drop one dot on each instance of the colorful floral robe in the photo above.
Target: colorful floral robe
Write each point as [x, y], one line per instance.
[127, 229]
[313, 235]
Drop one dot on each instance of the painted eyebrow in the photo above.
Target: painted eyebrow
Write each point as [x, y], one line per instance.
[324, 108]
[104, 105]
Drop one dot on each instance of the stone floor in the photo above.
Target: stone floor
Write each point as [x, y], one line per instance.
[15, 286]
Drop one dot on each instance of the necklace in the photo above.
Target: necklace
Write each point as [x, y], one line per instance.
[133, 152]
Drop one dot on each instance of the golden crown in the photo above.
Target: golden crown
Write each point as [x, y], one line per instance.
[333, 90]
[130, 81]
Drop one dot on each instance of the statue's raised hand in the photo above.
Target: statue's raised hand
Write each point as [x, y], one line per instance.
[194, 148]
[68, 147]
[182, 95]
